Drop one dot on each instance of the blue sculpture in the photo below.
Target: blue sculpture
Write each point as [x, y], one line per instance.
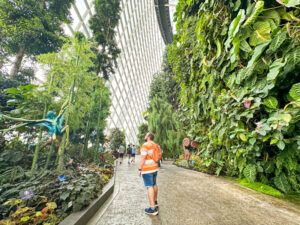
[54, 124]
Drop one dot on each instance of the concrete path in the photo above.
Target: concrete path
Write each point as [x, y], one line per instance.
[191, 198]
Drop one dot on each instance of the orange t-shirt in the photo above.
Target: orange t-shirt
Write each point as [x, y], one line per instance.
[150, 166]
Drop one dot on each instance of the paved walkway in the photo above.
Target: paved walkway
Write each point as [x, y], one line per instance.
[190, 198]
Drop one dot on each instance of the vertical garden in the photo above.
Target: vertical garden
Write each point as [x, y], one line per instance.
[237, 66]
[51, 126]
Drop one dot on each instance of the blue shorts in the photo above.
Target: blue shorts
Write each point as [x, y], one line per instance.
[150, 179]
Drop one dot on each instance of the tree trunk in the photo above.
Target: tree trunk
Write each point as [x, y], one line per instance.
[52, 147]
[86, 137]
[98, 126]
[17, 64]
[36, 154]
[61, 152]
[38, 146]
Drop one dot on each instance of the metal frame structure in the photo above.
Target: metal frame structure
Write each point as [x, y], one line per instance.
[142, 45]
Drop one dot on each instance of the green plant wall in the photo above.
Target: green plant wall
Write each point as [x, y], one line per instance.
[237, 63]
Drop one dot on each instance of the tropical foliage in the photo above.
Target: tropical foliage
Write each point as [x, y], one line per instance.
[51, 130]
[31, 27]
[164, 85]
[162, 118]
[142, 131]
[103, 25]
[237, 63]
[117, 138]
[165, 125]
[70, 83]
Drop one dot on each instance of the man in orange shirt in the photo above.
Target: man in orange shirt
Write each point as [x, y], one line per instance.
[148, 168]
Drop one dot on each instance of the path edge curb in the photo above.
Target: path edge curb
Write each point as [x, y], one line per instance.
[83, 217]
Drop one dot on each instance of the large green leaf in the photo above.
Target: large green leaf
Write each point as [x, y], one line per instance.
[259, 7]
[234, 27]
[269, 167]
[271, 102]
[234, 52]
[275, 68]
[250, 172]
[257, 53]
[272, 14]
[281, 182]
[295, 92]
[278, 40]
[245, 46]
[261, 34]
[293, 60]
[289, 3]
[280, 145]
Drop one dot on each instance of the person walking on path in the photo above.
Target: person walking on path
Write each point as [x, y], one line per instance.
[129, 152]
[121, 153]
[133, 151]
[148, 169]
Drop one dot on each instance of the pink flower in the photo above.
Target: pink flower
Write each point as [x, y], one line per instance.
[247, 103]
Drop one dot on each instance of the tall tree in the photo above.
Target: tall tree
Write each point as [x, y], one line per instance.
[71, 83]
[30, 27]
[97, 114]
[162, 115]
[164, 123]
[103, 24]
[117, 138]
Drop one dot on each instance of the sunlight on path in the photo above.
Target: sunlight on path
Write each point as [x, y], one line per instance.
[190, 198]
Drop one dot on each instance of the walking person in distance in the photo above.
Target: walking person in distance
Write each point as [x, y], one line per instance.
[133, 152]
[129, 152]
[121, 153]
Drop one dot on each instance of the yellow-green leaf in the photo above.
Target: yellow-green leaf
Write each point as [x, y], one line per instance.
[286, 117]
[25, 219]
[271, 102]
[51, 205]
[38, 213]
[243, 137]
[261, 34]
[273, 141]
[295, 92]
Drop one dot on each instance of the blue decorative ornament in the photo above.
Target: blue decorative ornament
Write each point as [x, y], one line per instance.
[61, 178]
[54, 124]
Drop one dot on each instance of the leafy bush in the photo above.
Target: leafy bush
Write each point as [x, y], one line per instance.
[76, 192]
[237, 63]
